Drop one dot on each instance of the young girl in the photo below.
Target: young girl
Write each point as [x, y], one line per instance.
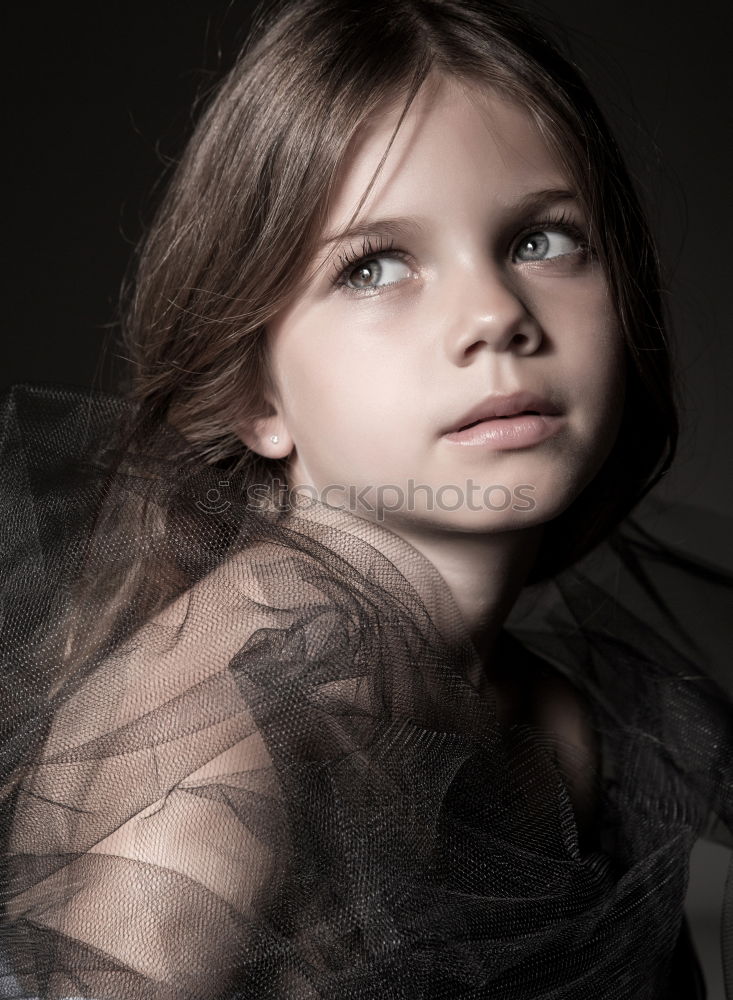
[333, 667]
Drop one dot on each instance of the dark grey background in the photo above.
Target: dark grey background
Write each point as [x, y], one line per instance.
[100, 100]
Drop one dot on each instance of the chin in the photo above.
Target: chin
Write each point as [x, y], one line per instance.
[464, 520]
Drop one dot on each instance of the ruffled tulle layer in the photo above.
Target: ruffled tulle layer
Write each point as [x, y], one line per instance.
[249, 754]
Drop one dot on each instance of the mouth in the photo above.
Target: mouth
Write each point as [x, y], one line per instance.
[506, 416]
[507, 423]
[504, 407]
[508, 433]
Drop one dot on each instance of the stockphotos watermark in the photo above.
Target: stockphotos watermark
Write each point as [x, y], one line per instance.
[377, 500]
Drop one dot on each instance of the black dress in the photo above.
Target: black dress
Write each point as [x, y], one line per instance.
[251, 753]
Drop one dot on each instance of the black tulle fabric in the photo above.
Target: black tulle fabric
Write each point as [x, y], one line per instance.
[248, 753]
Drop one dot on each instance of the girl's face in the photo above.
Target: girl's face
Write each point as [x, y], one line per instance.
[479, 285]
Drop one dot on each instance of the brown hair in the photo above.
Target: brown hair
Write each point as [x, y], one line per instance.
[247, 201]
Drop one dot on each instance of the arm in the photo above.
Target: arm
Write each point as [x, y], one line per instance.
[140, 854]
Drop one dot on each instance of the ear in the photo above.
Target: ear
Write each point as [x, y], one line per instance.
[258, 434]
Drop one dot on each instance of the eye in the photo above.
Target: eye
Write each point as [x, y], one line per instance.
[369, 271]
[375, 268]
[549, 239]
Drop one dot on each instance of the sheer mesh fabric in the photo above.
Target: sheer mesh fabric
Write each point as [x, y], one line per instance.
[253, 753]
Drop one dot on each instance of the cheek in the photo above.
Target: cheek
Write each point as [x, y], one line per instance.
[591, 353]
[590, 341]
[606, 367]
[602, 390]
[330, 394]
[598, 365]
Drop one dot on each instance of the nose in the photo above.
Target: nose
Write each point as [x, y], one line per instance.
[488, 311]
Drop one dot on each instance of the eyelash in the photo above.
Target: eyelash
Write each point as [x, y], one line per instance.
[352, 258]
[373, 247]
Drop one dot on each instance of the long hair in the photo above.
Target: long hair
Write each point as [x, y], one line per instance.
[246, 203]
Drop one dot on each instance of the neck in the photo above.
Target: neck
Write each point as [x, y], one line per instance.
[484, 573]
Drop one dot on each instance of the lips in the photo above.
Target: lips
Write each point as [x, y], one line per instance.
[505, 416]
[497, 407]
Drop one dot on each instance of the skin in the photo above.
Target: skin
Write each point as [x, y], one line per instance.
[367, 381]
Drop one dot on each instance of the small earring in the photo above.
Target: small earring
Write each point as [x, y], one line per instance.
[274, 438]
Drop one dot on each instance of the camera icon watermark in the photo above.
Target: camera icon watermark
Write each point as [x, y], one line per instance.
[214, 502]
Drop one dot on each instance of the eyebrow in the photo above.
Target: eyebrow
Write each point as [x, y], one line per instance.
[397, 225]
[382, 227]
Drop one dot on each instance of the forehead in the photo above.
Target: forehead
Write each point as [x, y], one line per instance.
[457, 137]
